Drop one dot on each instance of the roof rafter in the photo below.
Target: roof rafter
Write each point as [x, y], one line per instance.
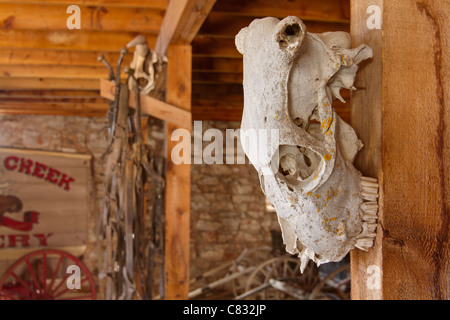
[155, 4]
[182, 22]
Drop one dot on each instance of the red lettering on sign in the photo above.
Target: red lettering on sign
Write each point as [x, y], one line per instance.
[26, 164]
[65, 181]
[53, 175]
[23, 238]
[8, 161]
[42, 238]
[39, 170]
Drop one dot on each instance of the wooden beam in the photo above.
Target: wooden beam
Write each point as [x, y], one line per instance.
[214, 77]
[402, 116]
[36, 107]
[213, 96]
[49, 100]
[53, 102]
[319, 10]
[226, 65]
[200, 89]
[8, 83]
[78, 40]
[178, 180]
[366, 119]
[55, 71]
[226, 108]
[23, 17]
[35, 94]
[181, 23]
[31, 57]
[208, 46]
[151, 106]
[213, 113]
[153, 4]
[228, 24]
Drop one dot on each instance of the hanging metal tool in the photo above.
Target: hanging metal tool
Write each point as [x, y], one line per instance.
[133, 239]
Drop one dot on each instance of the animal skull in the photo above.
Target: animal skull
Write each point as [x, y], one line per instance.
[146, 65]
[325, 207]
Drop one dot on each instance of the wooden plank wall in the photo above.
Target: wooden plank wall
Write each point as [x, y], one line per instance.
[42, 54]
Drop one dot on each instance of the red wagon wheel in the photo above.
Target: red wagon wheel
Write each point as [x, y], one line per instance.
[47, 274]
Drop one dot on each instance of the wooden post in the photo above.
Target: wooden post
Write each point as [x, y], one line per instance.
[366, 116]
[178, 183]
[402, 115]
[182, 20]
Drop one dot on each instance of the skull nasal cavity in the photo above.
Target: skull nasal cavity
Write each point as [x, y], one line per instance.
[292, 29]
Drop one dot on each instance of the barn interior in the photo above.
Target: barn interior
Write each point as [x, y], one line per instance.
[199, 229]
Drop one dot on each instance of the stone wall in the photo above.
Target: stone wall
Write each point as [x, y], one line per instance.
[228, 209]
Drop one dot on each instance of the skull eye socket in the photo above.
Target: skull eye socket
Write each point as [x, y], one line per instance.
[307, 160]
[290, 36]
[142, 82]
[292, 29]
[297, 163]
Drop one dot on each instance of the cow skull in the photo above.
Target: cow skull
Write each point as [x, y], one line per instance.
[325, 207]
[146, 65]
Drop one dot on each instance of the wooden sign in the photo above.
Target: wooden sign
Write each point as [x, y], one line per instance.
[44, 201]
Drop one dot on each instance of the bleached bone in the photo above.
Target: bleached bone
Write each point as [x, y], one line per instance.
[146, 65]
[325, 207]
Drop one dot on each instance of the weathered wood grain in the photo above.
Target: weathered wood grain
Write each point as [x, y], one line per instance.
[178, 180]
[407, 137]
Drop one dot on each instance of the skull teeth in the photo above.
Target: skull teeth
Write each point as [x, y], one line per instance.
[368, 230]
[364, 243]
[369, 184]
[305, 256]
[369, 210]
[370, 218]
[369, 207]
[369, 197]
[369, 179]
[369, 188]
